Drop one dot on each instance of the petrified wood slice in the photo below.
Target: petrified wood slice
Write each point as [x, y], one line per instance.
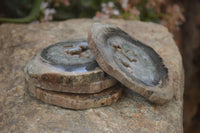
[67, 67]
[131, 62]
[76, 101]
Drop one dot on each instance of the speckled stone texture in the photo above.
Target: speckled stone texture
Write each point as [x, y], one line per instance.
[21, 113]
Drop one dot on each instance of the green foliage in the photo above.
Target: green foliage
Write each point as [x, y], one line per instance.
[34, 13]
[18, 8]
[77, 9]
[159, 11]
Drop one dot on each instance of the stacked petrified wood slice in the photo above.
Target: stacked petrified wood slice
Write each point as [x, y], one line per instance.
[66, 74]
[136, 65]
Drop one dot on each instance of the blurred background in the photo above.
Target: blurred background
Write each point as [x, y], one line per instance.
[181, 17]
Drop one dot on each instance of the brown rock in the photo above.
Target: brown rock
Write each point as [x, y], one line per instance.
[134, 64]
[132, 113]
[54, 69]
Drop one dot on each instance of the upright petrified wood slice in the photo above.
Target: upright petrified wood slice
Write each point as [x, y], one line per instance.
[67, 67]
[76, 101]
[134, 64]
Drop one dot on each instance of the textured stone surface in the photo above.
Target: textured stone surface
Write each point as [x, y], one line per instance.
[132, 113]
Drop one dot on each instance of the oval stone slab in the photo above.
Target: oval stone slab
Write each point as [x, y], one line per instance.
[76, 101]
[67, 67]
[131, 62]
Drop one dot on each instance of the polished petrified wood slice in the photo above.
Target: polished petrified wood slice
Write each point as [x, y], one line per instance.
[76, 101]
[67, 67]
[133, 63]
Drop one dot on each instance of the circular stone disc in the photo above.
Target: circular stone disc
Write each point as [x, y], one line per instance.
[131, 62]
[67, 67]
[76, 101]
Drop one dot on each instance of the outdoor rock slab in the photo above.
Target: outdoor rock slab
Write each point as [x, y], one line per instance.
[132, 113]
[55, 69]
[133, 63]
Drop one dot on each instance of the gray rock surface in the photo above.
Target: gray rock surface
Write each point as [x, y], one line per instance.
[132, 113]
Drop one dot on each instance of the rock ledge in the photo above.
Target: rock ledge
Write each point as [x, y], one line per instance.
[132, 113]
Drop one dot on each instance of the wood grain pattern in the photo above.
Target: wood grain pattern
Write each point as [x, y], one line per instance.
[134, 64]
[67, 67]
[76, 101]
